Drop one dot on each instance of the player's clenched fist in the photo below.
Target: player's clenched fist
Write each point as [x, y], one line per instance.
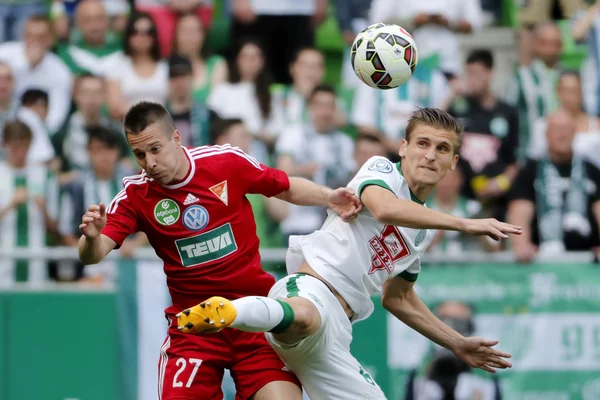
[93, 221]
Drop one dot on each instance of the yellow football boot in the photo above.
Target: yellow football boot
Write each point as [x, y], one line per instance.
[210, 316]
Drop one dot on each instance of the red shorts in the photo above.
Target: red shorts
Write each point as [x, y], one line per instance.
[191, 367]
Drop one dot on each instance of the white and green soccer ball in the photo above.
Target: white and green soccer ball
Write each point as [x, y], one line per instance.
[384, 56]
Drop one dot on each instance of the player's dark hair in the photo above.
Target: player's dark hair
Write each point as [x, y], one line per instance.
[322, 88]
[144, 114]
[481, 56]
[262, 83]
[130, 31]
[435, 118]
[301, 50]
[16, 130]
[221, 126]
[33, 97]
[106, 136]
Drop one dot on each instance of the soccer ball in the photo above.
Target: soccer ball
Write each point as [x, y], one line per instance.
[384, 56]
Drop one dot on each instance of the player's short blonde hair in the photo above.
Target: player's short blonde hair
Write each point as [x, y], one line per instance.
[435, 118]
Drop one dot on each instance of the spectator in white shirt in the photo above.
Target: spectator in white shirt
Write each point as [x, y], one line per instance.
[317, 151]
[33, 112]
[247, 96]
[433, 24]
[138, 74]
[34, 66]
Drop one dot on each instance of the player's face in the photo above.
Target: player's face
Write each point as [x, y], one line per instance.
[157, 153]
[429, 154]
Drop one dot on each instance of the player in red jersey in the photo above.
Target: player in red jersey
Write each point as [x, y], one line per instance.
[191, 204]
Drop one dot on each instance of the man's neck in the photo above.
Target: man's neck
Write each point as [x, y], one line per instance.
[91, 118]
[96, 44]
[487, 100]
[560, 158]
[5, 104]
[104, 175]
[302, 90]
[183, 167]
[180, 104]
[420, 191]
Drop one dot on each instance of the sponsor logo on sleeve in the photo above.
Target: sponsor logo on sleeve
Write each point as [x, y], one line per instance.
[382, 166]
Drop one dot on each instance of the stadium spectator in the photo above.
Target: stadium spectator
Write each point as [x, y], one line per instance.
[166, 13]
[386, 112]
[191, 117]
[208, 71]
[535, 12]
[447, 198]
[34, 66]
[8, 103]
[446, 376]
[63, 12]
[14, 15]
[307, 70]
[317, 151]
[91, 45]
[434, 24]
[72, 142]
[587, 137]
[556, 199]
[27, 205]
[268, 211]
[532, 88]
[100, 181]
[491, 134]
[138, 73]
[585, 30]
[247, 96]
[33, 112]
[365, 147]
[283, 26]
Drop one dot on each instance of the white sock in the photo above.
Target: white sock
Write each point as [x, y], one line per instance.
[261, 314]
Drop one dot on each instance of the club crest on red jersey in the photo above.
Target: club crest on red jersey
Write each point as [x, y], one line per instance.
[220, 190]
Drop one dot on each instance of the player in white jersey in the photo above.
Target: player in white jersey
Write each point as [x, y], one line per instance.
[335, 270]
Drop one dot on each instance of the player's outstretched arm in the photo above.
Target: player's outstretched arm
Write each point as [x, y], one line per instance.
[303, 192]
[400, 299]
[389, 209]
[93, 245]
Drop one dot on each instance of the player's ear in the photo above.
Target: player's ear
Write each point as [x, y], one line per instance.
[177, 137]
[454, 162]
[403, 146]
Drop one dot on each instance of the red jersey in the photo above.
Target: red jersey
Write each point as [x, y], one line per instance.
[202, 227]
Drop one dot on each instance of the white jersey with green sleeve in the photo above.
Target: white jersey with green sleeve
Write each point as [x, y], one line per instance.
[356, 258]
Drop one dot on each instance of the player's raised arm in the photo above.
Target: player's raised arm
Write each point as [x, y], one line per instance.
[389, 209]
[303, 192]
[93, 245]
[400, 299]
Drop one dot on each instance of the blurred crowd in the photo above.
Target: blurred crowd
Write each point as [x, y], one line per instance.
[69, 71]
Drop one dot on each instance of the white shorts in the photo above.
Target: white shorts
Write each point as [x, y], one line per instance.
[322, 361]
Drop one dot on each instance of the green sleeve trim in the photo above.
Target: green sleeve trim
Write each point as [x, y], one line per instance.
[376, 182]
[408, 276]
[288, 318]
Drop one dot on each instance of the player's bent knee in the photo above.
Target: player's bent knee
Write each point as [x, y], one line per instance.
[307, 321]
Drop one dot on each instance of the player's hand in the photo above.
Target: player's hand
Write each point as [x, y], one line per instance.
[478, 353]
[93, 221]
[491, 227]
[344, 203]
